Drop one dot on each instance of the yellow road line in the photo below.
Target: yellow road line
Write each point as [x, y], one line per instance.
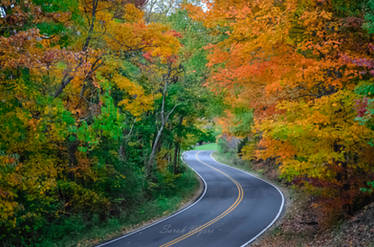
[223, 214]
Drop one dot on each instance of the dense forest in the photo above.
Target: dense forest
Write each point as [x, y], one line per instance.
[96, 105]
[99, 98]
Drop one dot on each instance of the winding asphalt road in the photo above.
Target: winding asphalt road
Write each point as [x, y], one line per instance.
[233, 210]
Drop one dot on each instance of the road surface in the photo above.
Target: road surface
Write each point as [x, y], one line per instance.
[233, 210]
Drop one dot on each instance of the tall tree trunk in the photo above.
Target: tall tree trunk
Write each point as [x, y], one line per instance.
[176, 157]
[177, 148]
[152, 156]
[151, 159]
[164, 116]
[124, 140]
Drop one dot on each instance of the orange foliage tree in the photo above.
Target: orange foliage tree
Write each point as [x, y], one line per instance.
[296, 64]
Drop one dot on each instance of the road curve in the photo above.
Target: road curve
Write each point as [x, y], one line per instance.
[233, 210]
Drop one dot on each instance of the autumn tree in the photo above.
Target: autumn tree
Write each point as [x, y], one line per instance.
[83, 86]
[296, 64]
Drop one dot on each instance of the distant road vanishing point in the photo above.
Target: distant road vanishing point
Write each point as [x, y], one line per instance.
[234, 209]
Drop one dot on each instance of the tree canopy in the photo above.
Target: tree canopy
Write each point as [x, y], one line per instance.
[298, 77]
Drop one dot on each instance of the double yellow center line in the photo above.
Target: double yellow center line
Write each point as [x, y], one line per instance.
[223, 214]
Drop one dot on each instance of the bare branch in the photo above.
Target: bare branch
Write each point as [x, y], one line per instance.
[171, 111]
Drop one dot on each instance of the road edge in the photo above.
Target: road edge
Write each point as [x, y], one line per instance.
[280, 211]
[188, 205]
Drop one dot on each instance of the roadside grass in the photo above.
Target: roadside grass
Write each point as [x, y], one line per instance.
[210, 146]
[83, 234]
[229, 158]
[232, 159]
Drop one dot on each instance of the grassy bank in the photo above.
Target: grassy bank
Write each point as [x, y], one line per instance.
[233, 160]
[210, 146]
[145, 212]
[229, 158]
